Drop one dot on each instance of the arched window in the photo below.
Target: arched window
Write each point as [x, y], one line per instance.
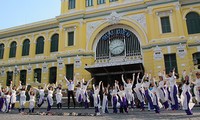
[1, 50]
[193, 22]
[13, 48]
[54, 43]
[40, 45]
[26, 47]
[118, 42]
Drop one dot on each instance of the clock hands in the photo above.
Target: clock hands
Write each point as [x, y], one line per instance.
[116, 47]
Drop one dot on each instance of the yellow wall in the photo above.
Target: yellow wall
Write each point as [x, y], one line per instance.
[79, 19]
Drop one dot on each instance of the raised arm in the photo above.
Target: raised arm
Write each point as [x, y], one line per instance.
[26, 86]
[108, 88]
[35, 88]
[81, 83]
[133, 78]
[7, 89]
[184, 74]
[54, 85]
[88, 82]
[164, 76]
[20, 85]
[123, 79]
[29, 92]
[149, 78]
[190, 78]
[83, 80]
[77, 81]
[100, 84]
[74, 79]
[93, 87]
[11, 85]
[66, 79]
[138, 76]
[143, 78]
[116, 85]
[47, 87]
[103, 87]
[154, 81]
[173, 73]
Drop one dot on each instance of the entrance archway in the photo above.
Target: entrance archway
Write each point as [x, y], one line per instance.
[117, 51]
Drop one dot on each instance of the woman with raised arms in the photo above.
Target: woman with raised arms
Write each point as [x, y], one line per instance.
[128, 90]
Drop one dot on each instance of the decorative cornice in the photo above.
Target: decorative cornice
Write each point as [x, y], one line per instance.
[40, 60]
[189, 2]
[164, 13]
[80, 14]
[29, 28]
[152, 45]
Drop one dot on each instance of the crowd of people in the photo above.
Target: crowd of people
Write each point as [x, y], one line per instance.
[157, 94]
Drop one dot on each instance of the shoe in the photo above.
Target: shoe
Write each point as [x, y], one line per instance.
[190, 114]
[98, 114]
[19, 110]
[142, 110]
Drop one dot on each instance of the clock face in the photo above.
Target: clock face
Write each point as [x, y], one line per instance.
[116, 47]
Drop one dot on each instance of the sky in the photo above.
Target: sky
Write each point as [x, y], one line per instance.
[19, 12]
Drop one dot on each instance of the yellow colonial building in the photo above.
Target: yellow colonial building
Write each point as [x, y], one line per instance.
[103, 39]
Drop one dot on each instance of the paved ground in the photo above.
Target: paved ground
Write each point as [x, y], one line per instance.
[132, 115]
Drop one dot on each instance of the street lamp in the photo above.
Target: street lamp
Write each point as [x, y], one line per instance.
[16, 72]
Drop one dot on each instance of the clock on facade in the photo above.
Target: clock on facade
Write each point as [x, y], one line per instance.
[116, 47]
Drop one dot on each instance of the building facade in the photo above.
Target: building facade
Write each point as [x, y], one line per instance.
[103, 39]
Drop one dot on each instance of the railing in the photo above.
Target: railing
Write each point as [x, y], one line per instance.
[130, 57]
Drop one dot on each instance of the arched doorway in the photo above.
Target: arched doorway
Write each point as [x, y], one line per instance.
[117, 51]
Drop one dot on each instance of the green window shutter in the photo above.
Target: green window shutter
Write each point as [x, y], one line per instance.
[69, 71]
[113, 0]
[23, 76]
[26, 47]
[9, 78]
[165, 23]
[71, 4]
[71, 38]
[40, 45]
[170, 62]
[193, 23]
[100, 2]
[1, 51]
[13, 48]
[54, 43]
[37, 75]
[89, 3]
[53, 75]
